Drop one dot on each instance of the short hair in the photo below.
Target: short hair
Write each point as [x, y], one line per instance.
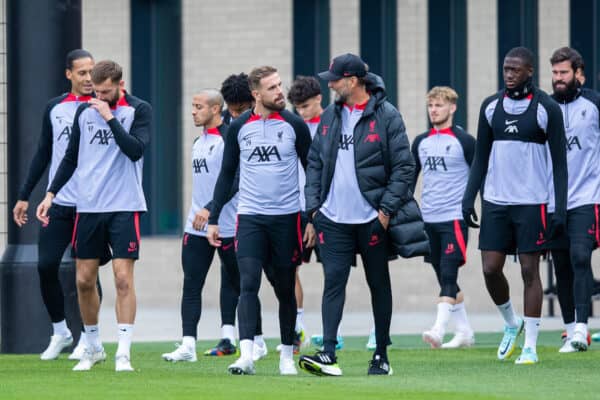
[303, 88]
[77, 54]
[214, 97]
[259, 73]
[445, 93]
[107, 69]
[568, 54]
[364, 80]
[522, 53]
[235, 89]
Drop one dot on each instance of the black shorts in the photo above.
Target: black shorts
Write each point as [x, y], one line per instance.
[582, 228]
[339, 243]
[273, 239]
[94, 231]
[307, 251]
[513, 229]
[447, 240]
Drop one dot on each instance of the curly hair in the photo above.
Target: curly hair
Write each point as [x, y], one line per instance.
[303, 88]
[235, 89]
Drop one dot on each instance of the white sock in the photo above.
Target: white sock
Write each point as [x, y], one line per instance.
[459, 314]
[258, 339]
[443, 316]
[125, 334]
[532, 327]
[92, 336]
[570, 328]
[82, 340]
[189, 342]
[509, 315]
[581, 327]
[246, 346]
[60, 328]
[228, 332]
[300, 320]
[339, 333]
[287, 351]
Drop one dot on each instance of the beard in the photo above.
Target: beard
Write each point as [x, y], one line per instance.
[567, 92]
[341, 98]
[113, 102]
[273, 106]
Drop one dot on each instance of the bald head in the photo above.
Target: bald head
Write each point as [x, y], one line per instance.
[213, 97]
[207, 105]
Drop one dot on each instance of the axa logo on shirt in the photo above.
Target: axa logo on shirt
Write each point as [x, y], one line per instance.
[101, 136]
[573, 143]
[346, 141]
[65, 133]
[199, 164]
[264, 154]
[510, 126]
[432, 163]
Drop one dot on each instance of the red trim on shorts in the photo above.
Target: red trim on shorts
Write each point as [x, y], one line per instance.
[597, 214]
[235, 236]
[136, 222]
[543, 213]
[299, 229]
[74, 236]
[460, 239]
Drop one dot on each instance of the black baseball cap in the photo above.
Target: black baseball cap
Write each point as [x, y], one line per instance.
[344, 66]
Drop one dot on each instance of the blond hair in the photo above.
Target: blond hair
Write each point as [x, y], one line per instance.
[445, 93]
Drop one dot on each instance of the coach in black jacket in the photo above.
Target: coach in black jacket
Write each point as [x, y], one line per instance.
[358, 177]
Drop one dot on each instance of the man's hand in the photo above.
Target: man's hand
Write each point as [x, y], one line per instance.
[557, 227]
[384, 220]
[309, 236]
[469, 214]
[42, 210]
[102, 107]
[212, 234]
[201, 219]
[20, 213]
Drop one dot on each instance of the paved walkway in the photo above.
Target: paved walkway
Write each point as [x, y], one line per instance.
[159, 281]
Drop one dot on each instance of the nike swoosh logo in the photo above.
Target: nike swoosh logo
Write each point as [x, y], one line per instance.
[507, 122]
[227, 246]
[540, 242]
[503, 352]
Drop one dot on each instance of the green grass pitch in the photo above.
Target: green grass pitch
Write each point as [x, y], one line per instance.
[419, 373]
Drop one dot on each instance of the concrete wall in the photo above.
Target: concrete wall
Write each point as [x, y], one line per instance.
[412, 64]
[227, 37]
[553, 17]
[105, 27]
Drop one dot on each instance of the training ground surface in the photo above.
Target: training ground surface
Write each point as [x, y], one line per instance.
[419, 373]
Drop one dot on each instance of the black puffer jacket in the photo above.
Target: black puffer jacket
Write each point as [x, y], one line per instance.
[384, 167]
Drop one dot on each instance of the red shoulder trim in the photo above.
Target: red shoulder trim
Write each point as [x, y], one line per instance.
[445, 131]
[72, 97]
